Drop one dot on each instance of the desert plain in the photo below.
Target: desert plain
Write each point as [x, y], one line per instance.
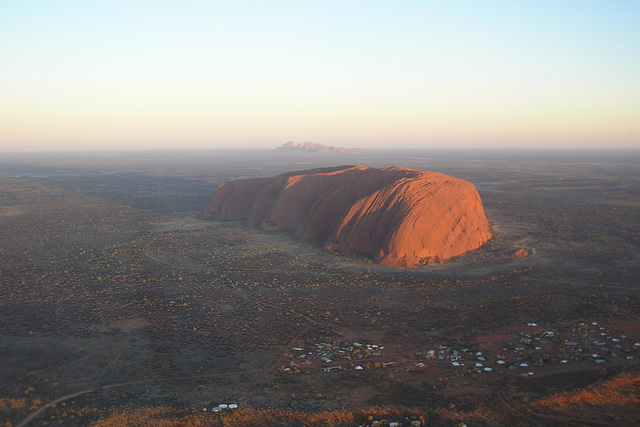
[120, 304]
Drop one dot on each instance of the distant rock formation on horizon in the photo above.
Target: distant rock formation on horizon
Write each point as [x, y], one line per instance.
[397, 216]
[312, 147]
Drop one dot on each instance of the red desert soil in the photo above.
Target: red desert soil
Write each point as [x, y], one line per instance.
[397, 216]
[495, 337]
[631, 327]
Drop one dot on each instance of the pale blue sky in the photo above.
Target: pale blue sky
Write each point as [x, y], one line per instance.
[255, 74]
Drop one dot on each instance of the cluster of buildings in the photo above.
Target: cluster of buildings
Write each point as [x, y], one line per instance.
[525, 349]
[222, 407]
[333, 357]
[533, 346]
[591, 340]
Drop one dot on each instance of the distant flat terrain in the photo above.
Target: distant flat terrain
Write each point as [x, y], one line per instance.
[115, 294]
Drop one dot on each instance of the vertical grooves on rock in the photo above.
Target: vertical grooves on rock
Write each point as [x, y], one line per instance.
[397, 216]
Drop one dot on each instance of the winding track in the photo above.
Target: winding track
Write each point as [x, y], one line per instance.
[38, 411]
[261, 373]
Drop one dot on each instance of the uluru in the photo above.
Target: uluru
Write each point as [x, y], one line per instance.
[397, 216]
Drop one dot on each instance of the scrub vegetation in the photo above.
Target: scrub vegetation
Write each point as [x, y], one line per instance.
[120, 305]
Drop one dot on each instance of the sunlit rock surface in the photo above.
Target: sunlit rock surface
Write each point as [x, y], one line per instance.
[397, 216]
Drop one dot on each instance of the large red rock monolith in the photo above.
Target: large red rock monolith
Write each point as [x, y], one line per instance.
[397, 216]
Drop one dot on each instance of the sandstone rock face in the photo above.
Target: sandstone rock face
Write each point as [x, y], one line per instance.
[518, 253]
[397, 216]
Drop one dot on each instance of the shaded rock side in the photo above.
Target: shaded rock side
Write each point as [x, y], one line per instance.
[397, 216]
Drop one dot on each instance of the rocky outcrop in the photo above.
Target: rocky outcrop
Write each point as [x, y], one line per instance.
[518, 253]
[397, 216]
[312, 147]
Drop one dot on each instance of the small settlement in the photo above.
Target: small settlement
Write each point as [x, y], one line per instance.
[532, 346]
[522, 350]
[335, 357]
[222, 407]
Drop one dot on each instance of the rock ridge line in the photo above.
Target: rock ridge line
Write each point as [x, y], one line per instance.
[397, 216]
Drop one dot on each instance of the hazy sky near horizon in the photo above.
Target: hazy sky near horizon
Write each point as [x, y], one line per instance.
[255, 74]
